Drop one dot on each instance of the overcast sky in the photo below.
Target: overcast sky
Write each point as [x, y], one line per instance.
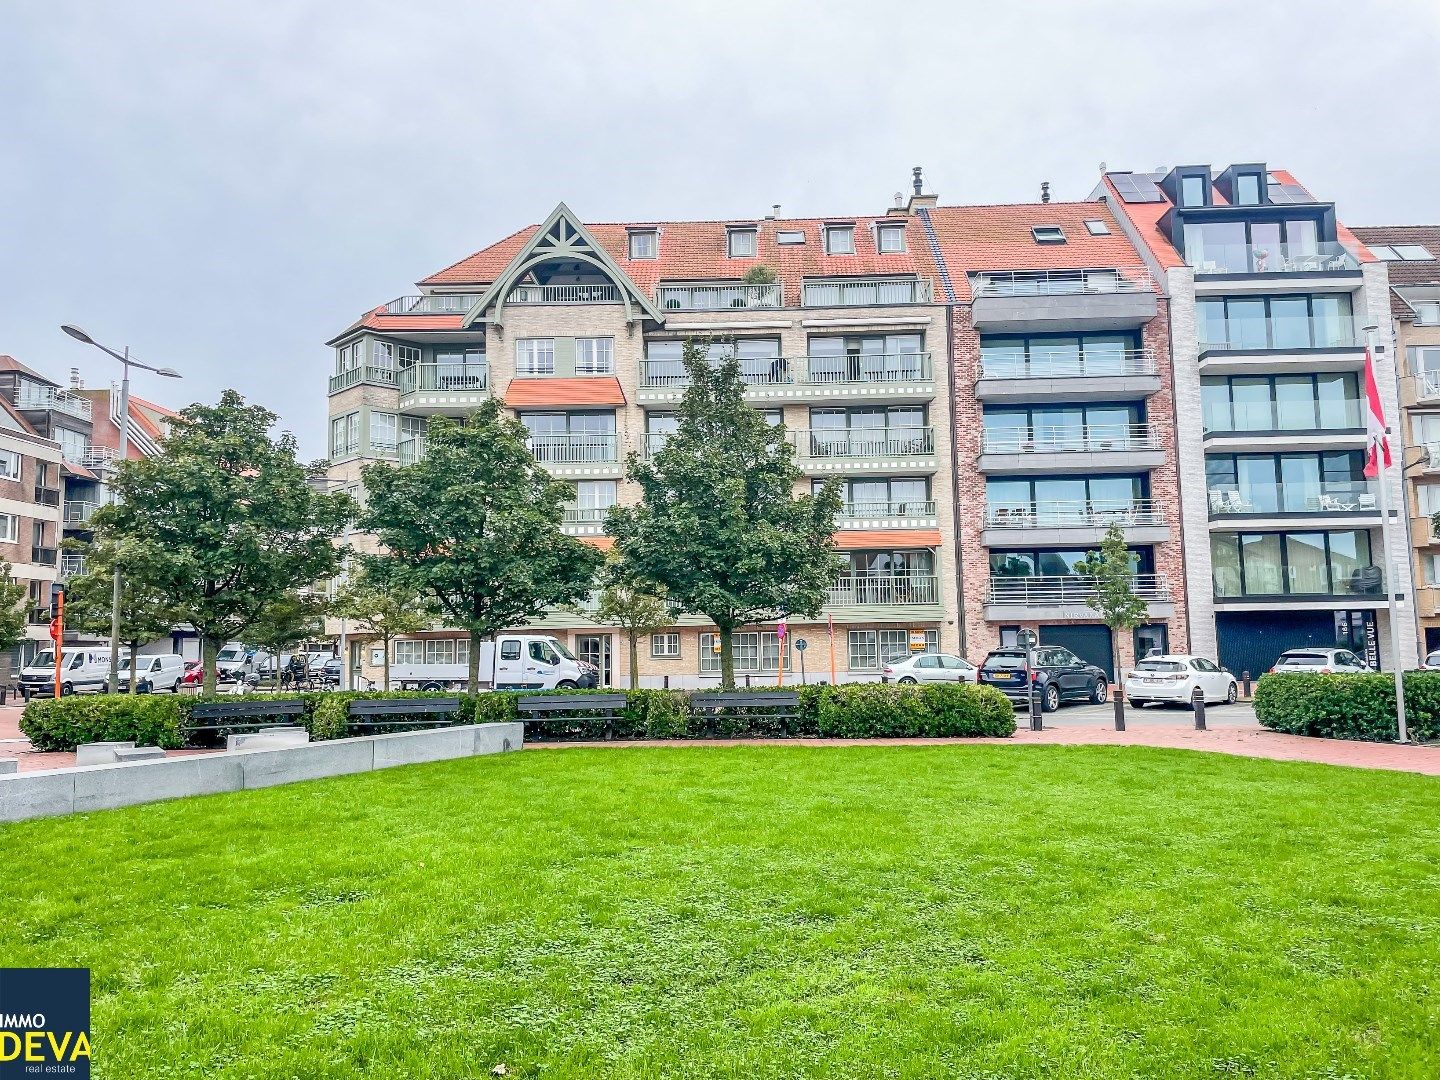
[224, 185]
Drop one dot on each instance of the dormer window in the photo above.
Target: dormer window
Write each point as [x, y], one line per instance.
[1248, 191]
[1096, 227]
[644, 243]
[787, 237]
[1048, 234]
[839, 239]
[1194, 190]
[890, 239]
[741, 243]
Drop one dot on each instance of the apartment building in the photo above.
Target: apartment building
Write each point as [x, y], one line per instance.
[1269, 297]
[1412, 257]
[578, 329]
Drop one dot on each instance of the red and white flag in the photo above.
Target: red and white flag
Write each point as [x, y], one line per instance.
[1377, 442]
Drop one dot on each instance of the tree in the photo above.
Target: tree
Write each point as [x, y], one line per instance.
[720, 527]
[144, 613]
[475, 526]
[386, 612]
[1113, 568]
[14, 602]
[635, 606]
[223, 521]
[289, 620]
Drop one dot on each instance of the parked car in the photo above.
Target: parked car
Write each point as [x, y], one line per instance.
[929, 667]
[1174, 678]
[1320, 662]
[194, 673]
[157, 671]
[81, 669]
[1059, 676]
[1432, 662]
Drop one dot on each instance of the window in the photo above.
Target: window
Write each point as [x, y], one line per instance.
[10, 465]
[1427, 312]
[592, 499]
[1430, 570]
[890, 239]
[1060, 354]
[866, 358]
[871, 649]
[1296, 321]
[1384, 253]
[1048, 234]
[839, 239]
[1413, 253]
[594, 356]
[665, 646]
[740, 243]
[1055, 562]
[349, 357]
[753, 652]
[1096, 227]
[1294, 564]
[1427, 497]
[864, 651]
[786, 237]
[73, 444]
[644, 244]
[345, 435]
[384, 432]
[535, 356]
[1330, 401]
[9, 528]
[510, 649]
[382, 355]
[1194, 190]
[1064, 500]
[883, 497]
[1248, 189]
[407, 356]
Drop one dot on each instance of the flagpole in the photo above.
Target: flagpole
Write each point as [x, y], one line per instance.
[1380, 455]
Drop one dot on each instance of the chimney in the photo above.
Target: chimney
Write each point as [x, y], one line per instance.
[917, 183]
[75, 381]
[1044, 191]
[919, 200]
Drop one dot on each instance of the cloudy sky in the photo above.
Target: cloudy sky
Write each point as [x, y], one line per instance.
[223, 184]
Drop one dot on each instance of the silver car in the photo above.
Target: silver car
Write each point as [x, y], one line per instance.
[929, 667]
[1320, 662]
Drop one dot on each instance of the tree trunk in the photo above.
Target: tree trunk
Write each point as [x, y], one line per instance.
[476, 639]
[208, 648]
[634, 659]
[134, 666]
[727, 657]
[1117, 688]
[385, 668]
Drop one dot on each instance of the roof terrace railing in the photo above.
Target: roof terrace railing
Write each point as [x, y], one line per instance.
[432, 304]
[718, 296]
[1319, 258]
[564, 294]
[866, 292]
[1079, 282]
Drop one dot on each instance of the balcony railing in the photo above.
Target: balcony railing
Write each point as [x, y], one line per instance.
[409, 451]
[44, 556]
[655, 442]
[1067, 589]
[564, 294]
[922, 508]
[718, 297]
[1000, 363]
[1332, 497]
[1328, 257]
[864, 443]
[862, 292]
[379, 376]
[851, 370]
[456, 304]
[1282, 333]
[71, 565]
[865, 587]
[585, 515]
[444, 377]
[1259, 418]
[1122, 279]
[77, 511]
[37, 396]
[1063, 514]
[1298, 583]
[1427, 385]
[99, 457]
[1090, 438]
[574, 449]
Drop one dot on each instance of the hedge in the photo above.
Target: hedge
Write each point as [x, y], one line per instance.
[856, 710]
[1348, 706]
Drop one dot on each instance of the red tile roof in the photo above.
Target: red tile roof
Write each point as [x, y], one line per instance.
[604, 543]
[1407, 271]
[584, 390]
[9, 363]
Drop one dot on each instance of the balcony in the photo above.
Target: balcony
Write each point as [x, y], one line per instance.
[409, 451]
[43, 556]
[1256, 348]
[437, 389]
[1109, 298]
[879, 588]
[584, 520]
[866, 292]
[908, 514]
[1009, 375]
[1074, 449]
[1257, 429]
[37, 396]
[578, 454]
[71, 565]
[1288, 589]
[455, 304]
[1062, 524]
[564, 294]
[1243, 260]
[1066, 597]
[1347, 499]
[96, 457]
[718, 297]
[869, 376]
[78, 512]
[840, 450]
[373, 376]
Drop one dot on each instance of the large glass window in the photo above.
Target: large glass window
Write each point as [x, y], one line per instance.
[384, 432]
[884, 496]
[1275, 322]
[1058, 354]
[1062, 500]
[1328, 401]
[1247, 189]
[858, 432]
[535, 356]
[1056, 562]
[1293, 564]
[594, 356]
[866, 358]
[1192, 190]
[1063, 427]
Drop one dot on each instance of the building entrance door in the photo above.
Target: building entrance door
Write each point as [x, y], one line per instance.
[596, 649]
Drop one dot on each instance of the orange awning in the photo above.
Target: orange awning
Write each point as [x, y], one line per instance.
[523, 393]
[891, 539]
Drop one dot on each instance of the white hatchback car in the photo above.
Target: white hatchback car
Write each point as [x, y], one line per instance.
[1320, 662]
[929, 667]
[1173, 680]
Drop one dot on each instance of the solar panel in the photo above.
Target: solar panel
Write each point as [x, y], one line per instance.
[1136, 189]
[1289, 193]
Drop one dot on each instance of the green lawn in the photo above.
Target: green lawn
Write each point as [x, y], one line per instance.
[970, 911]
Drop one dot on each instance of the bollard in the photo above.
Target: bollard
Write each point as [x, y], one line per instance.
[1197, 702]
[1245, 683]
[1037, 714]
[667, 682]
[747, 682]
[1119, 700]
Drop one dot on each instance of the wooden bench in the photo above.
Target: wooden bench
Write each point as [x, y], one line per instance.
[252, 714]
[571, 708]
[709, 706]
[402, 712]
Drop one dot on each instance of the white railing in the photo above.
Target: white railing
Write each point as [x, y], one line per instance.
[78, 511]
[409, 451]
[1119, 279]
[903, 508]
[585, 515]
[1427, 384]
[356, 375]
[1326, 257]
[454, 304]
[37, 396]
[1062, 514]
[866, 292]
[71, 565]
[575, 449]
[654, 442]
[702, 297]
[99, 457]
[1091, 438]
[1066, 589]
[859, 369]
[564, 294]
[1061, 364]
[864, 443]
[444, 377]
[866, 587]
[1327, 497]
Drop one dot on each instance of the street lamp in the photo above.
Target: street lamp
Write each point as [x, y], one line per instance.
[169, 373]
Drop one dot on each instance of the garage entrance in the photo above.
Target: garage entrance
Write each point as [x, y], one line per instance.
[1089, 641]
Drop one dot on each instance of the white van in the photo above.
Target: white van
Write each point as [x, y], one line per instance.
[236, 660]
[81, 669]
[158, 671]
[522, 662]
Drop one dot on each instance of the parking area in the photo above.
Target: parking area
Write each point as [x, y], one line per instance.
[1241, 714]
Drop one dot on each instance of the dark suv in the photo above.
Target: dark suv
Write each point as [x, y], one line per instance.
[1059, 675]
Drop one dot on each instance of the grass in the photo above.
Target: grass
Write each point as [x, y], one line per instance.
[972, 912]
